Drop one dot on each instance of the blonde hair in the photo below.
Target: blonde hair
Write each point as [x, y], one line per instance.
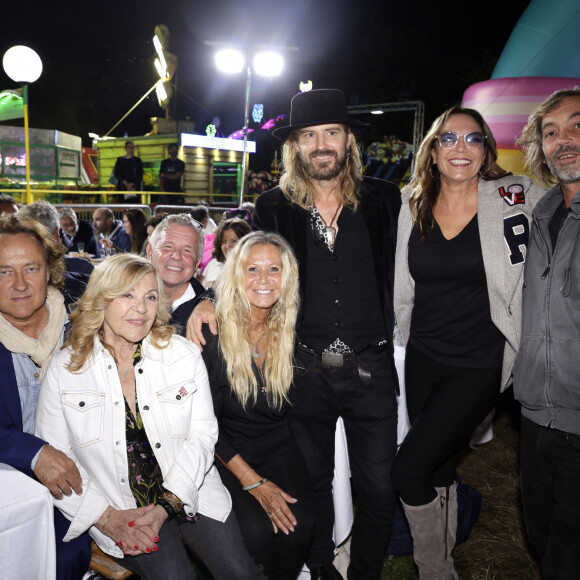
[531, 139]
[109, 280]
[233, 313]
[426, 181]
[297, 185]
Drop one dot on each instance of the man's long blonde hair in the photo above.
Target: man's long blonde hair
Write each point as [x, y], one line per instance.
[233, 313]
[297, 185]
[109, 280]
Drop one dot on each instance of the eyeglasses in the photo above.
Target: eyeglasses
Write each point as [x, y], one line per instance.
[449, 139]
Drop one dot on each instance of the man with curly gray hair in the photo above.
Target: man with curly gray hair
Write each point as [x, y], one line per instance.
[546, 372]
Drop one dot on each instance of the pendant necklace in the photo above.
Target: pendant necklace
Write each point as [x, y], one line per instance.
[329, 229]
[125, 373]
[256, 352]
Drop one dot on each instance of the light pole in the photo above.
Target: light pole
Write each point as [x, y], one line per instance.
[23, 66]
[265, 63]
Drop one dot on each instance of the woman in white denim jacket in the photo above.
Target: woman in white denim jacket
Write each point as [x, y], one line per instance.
[130, 403]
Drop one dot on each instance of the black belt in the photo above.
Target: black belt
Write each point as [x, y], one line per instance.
[332, 359]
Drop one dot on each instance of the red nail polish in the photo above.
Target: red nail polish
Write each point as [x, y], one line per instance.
[131, 524]
[155, 539]
[136, 547]
[155, 549]
[148, 550]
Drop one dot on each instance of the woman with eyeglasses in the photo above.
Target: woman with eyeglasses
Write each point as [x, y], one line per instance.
[463, 231]
[130, 402]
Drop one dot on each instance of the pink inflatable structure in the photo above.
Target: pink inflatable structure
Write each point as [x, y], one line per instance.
[547, 30]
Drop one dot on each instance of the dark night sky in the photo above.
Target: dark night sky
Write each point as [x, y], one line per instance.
[99, 61]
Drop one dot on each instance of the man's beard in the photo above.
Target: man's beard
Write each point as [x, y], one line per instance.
[326, 171]
[569, 173]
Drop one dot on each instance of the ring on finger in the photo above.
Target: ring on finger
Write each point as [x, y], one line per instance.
[272, 515]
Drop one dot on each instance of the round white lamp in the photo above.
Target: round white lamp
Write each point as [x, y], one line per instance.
[24, 66]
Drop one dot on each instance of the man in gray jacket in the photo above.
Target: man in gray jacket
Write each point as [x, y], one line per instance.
[547, 368]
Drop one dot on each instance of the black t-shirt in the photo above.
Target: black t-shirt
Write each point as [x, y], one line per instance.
[451, 320]
[556, 223]
[170, 166]
[258, 431]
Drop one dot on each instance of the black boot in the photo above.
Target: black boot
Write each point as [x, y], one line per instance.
[325, 572]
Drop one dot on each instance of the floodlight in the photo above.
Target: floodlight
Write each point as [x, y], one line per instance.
[229, 60]
[268, 63]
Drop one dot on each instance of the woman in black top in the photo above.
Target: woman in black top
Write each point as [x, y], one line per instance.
[460, 255]
[250, 371]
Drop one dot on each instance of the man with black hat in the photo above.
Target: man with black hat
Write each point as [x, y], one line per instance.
[342, 227]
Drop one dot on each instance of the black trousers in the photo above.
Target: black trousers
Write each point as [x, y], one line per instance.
[445, 405]
[321, 394]
[550, 481]
[282, 556]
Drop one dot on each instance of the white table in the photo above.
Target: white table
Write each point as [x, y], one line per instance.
[27, 545]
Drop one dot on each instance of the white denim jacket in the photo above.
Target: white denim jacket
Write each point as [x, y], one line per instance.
[84, 416]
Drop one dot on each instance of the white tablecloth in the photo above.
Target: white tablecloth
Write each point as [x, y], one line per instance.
[27, 545]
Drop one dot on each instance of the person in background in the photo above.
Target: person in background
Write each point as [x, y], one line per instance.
[110, 232]
[175, 250]
[130, 403]
[8, 204]
[134, 223]
[78, 269]
[211, 225]
[200, 213]
[250, 372]
[461, 248]
[547, 368]
[249, 206]
[74, 232]
[228, 234]
[170, 174]
[153, 222]
[32, 323]
[128, 171]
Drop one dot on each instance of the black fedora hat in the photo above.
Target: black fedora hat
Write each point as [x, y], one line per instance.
[319, 107]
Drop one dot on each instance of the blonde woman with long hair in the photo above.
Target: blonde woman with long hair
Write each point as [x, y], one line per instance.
[129, 402]
[250, 369]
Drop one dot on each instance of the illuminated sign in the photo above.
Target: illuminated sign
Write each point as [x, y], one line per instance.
[11, 105]
[211, 130]
[258, 113]
[191, 140]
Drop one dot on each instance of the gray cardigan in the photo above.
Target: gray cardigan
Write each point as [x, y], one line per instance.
[504, 213]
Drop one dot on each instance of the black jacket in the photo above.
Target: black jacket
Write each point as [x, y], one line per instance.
[182, 313]
[380, 202]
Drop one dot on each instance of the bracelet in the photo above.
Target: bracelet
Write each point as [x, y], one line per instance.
[254, 485]
[209, 298]
[172, 500]
[243, 474]
[104, 524]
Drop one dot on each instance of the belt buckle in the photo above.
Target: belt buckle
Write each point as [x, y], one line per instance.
[332, 359]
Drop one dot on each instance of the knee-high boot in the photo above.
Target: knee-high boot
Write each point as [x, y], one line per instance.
[433, 527]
